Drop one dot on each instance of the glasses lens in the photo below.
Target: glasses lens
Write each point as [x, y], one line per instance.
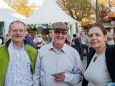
[62, 32]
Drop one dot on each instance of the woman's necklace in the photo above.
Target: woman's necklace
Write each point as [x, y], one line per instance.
[97, 55]
[95, 58]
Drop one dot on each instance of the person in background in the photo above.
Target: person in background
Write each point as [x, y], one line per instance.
[100, 69]
[35, 40]
[110, 37]
[41, 41]
[67, 41]
[83, 44]
[51, 33]
[17, 58]
[76, 42]
[49, 37]
[58, 64]
[1, 39]
[29, 40]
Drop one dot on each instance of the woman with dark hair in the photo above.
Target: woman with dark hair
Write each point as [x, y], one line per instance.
[100, 69]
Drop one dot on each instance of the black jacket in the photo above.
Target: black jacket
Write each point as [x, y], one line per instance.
[110, 62]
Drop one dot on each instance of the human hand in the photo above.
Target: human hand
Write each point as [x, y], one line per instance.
[59, 77]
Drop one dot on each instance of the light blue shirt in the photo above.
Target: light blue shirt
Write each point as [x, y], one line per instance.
[50, 62]
[19, 70]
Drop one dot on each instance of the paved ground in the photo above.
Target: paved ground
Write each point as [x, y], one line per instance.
[84, 62]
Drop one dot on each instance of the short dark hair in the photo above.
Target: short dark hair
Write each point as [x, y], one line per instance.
[98, 25]
[74, 35]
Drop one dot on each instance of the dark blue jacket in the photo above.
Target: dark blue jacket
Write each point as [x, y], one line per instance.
[29, 40]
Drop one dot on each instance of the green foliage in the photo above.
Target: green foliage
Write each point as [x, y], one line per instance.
[102, 12]
[78, 9]
[85, 10]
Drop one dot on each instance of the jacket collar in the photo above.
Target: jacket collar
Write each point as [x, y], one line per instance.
[8, 42]
[92, 52]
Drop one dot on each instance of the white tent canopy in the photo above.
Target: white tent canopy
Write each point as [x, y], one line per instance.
[8, 14]
[50, 12]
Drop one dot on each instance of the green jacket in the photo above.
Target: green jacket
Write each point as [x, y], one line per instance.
[4, 59]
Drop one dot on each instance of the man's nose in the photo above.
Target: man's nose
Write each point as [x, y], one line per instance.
[60, 33]
[18, 32]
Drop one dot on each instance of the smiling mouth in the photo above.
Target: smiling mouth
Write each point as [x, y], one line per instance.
[17, 36]
[93, 42]
[59, 38]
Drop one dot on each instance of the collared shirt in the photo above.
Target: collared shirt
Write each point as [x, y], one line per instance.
[50, 62]
[19, 70]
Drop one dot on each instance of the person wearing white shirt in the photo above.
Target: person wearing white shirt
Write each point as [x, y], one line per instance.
[58, 64]
[100, 69]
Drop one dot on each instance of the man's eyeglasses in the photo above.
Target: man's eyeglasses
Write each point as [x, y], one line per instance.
[15, 31]
[60, 31]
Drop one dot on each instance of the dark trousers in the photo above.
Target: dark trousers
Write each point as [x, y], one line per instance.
[83, 47]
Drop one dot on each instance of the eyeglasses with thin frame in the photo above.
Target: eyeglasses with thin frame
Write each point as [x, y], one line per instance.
[15, 31]
[63, 32]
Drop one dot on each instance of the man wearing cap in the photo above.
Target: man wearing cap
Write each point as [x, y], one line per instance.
[58, 64]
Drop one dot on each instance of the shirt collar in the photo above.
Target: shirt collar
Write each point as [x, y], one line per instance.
[63, 49]
[15, 46]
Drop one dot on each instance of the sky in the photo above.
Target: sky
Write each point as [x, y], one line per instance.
[37, 2]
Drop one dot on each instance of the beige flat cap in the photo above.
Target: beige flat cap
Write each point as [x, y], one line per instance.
[59, 25]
